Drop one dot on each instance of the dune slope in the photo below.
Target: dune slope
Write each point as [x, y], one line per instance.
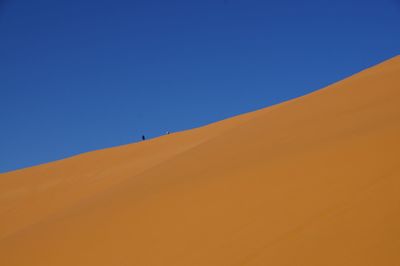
[312, 181]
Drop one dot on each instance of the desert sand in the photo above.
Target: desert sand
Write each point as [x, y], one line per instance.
[312, 181]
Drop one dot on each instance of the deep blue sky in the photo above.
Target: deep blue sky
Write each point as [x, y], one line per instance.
[79, 75]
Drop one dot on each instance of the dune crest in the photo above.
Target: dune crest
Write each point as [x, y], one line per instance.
[311, 181]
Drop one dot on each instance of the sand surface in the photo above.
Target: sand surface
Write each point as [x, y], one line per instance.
[314, 181]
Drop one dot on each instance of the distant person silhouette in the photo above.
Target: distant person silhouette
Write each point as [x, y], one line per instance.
[143, 137]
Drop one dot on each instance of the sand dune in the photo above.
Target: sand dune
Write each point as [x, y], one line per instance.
[312, 181]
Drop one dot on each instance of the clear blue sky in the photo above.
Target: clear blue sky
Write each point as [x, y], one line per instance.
[79, 75]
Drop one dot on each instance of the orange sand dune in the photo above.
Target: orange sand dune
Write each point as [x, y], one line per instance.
[312, 181]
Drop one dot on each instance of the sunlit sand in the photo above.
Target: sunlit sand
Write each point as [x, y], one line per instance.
[314, 181]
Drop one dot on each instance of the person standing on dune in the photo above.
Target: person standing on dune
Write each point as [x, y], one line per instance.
[143, 138]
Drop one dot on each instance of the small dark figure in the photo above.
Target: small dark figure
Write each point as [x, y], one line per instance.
[143, 137]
